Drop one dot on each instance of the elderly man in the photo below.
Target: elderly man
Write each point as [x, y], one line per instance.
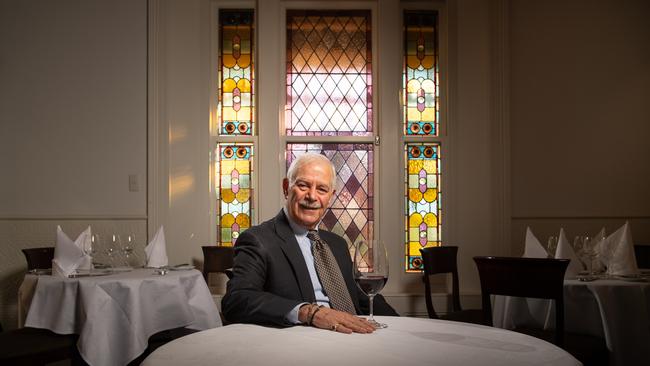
[288, 272]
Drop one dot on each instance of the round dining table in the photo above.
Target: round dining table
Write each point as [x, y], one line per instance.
[406, 341]
[615, 309]
[115, 312]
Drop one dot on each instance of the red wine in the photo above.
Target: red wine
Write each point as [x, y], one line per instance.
[371, 285]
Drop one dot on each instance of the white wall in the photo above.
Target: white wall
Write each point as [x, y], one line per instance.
[73, 108]
[580, 117]
[73, 124]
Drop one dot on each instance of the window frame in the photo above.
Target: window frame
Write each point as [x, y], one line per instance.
[270, 141]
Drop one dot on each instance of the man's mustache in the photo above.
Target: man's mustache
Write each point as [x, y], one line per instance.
[310, 205]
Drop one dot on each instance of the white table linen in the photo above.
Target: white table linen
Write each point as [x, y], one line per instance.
[115, 315]
[406, 341]
[618, 311]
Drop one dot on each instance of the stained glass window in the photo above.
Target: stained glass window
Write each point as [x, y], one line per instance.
[421, 116]
[423, 203]
[236, 82]
[351, 212]
[421, 73]
[329, 76]
[234, 175]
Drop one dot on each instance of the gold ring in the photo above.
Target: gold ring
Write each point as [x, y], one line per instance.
[335, 326]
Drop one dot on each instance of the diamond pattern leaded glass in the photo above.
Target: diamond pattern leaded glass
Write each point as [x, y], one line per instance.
[423, 203]
[351, 213]
[421, 112]
[236, 102]
[234, 176]
[329, 76]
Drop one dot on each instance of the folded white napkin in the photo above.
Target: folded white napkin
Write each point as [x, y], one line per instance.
[156, 251]
[534, 248]
[617, 252]
[565, 251]
[68, 255]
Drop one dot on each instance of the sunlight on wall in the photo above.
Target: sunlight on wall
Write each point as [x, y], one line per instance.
[180, 184]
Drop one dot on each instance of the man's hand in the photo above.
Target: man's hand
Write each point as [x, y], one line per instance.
[338, 321]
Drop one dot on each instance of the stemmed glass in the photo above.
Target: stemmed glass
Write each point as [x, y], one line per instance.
[110, 249]
[370, 271]
[91, 248]
[608, 248]
[588, 253]
[581, 247]
[551, 245]
[127, 249]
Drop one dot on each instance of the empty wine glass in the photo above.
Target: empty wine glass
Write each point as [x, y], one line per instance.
[608, 248]
[551, 245]
[370, 271]
[581, 247]
[127, 249]
[588, 254]
[91, 248]
[111, 247]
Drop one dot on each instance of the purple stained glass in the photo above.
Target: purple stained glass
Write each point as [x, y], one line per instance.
[351, 212]
[329, 75]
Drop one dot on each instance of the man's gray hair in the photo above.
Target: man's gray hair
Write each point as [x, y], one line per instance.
[307, 158]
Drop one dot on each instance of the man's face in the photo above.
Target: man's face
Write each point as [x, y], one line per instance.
[309, 196]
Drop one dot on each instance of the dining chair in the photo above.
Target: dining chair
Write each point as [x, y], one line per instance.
[216, 259]
[541, 278]
[443, 260]
[32, 346]
[642, 254]
[39, 258]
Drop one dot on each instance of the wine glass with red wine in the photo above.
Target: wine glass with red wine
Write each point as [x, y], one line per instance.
[370, 271]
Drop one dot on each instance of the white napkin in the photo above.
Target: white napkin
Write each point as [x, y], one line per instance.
[565, 251]
[617, 252]
[534, 249]
[68, 255]
[156, 251]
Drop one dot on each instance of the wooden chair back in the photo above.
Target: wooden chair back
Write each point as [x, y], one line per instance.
[440, 260]
[39, 258]
[216, 259]
[541, 278]
[642, 254]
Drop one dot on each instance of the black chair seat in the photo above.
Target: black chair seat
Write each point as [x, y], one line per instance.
[32, 346]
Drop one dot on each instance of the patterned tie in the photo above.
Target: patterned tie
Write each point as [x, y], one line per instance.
[330, 275]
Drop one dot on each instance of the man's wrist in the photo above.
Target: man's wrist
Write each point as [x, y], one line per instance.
[306, 313]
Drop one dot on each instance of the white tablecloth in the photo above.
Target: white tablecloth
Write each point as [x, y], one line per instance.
[616, 310]
[406, 341]
[115, 315]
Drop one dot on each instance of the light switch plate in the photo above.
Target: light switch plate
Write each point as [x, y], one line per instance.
[133, 183]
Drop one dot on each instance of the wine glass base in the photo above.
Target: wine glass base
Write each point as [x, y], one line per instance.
[377, 324]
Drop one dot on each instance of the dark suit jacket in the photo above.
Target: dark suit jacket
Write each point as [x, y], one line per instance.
[270, 276]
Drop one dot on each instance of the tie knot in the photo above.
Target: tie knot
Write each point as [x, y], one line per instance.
[313, 235]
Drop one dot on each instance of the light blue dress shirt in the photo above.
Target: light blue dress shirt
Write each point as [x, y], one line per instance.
[305, 247]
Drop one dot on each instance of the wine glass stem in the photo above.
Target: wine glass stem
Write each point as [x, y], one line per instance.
[370, 299]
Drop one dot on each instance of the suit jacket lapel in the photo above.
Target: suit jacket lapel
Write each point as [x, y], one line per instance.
[292, 251]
